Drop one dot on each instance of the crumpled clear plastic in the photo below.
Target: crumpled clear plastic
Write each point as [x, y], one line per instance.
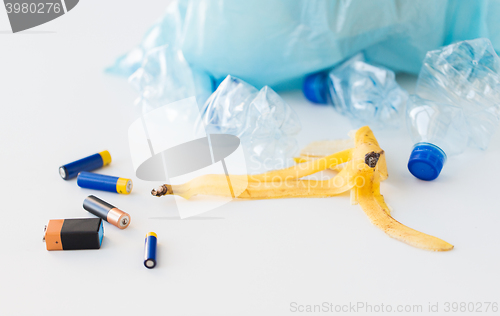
[365, 93]
[165, 77]
[166, 31]
[465, 75]
[278, 43]
[264, 122]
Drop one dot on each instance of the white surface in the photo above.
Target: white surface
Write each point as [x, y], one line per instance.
[245, 258]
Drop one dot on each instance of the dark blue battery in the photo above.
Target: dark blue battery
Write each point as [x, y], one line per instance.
[103, 182]
[150, 250]
[96, 161]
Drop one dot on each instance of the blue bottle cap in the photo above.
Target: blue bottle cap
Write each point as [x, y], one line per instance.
[426, 161]
[315, 88]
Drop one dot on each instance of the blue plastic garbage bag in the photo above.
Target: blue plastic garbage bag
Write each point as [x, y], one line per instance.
[277, 43]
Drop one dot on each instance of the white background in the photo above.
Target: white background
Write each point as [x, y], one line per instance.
[245, 258]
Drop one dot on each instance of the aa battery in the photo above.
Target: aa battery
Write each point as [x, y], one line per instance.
[150, 250]
[74, 234]
[89, 163]
[103, 182]
[106, 211]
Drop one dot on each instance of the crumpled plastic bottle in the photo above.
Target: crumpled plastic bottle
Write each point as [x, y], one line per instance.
[366, 94]
[264, 122]
[166, 31]
[457, 104]
[165, 77]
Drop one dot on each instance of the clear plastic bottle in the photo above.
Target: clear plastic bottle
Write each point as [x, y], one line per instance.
[457, 104]
[438, 130]
[366, 94]
[165, 77]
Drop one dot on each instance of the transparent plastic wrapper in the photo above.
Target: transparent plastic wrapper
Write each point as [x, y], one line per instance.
[278, 43]
[265, 124]
[366, 94]
[457, 104]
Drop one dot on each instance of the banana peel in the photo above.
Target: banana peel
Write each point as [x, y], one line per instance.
[361, 169]
[283, 183]
[324, 148]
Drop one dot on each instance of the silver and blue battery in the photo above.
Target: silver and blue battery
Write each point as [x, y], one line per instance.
[96, 161]
[106, 211]
[103, 182]
[150, 250]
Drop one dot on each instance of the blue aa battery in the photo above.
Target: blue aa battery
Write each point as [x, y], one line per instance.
[150, 250]
[96, 161]
[103, 182]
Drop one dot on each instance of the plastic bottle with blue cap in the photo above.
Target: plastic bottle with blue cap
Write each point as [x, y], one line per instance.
[438, 131]
[455, 106]
[365, 93]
